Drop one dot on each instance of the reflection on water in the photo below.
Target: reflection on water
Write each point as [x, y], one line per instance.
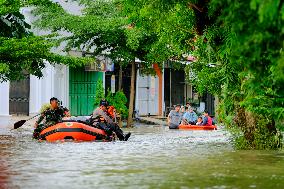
[154, 157]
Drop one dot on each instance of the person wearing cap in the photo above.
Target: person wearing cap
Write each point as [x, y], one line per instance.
[174, 117]
[103, 121]
[49, 117]
[206, 120]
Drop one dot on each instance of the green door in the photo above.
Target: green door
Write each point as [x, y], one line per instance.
[82, 89]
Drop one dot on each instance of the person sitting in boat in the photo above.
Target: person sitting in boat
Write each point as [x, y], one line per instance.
[207, 120]
[51, 116]
[182, 110]
[111, 112]
[69, 117]
[190, 117]
[187, 106]
[199, 121]
[101, 120]
[67, 113]
[174, 117]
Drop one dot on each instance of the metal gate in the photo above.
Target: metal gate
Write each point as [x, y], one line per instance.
[143, 95]
[19, 97]
[82, 90]
[147, 95]
[210, 105]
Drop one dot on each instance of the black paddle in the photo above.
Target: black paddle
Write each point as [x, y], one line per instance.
[22, 122]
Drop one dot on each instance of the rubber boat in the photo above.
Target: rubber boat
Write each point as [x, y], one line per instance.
[197, 127]
[72, 130]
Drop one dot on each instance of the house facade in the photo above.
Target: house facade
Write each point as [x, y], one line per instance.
[156, 95]
[76, 87]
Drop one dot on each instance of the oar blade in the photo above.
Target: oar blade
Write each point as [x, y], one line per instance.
[19, 124]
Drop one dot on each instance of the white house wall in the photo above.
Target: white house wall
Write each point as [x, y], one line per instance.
[4, 99]
[55, 80]
[54, 83]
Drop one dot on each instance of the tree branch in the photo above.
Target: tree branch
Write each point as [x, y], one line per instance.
[193, 6]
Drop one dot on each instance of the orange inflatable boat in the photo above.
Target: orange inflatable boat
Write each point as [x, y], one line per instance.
[197, 127]
[73, 131]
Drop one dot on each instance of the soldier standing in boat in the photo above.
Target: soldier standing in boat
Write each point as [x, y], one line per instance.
[103, 121]
[49, 117]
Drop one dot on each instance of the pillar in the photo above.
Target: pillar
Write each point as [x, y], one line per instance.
[4, 104]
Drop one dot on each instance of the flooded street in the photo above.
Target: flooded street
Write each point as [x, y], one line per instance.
[154, 157]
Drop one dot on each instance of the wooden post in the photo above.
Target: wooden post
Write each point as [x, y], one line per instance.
[120, 78]
[132, 94]
[119, 120]
[160, 93]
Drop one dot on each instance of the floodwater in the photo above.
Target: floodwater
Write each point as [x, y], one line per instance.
[154, 157]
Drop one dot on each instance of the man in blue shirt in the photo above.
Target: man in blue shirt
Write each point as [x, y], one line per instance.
[190, 117]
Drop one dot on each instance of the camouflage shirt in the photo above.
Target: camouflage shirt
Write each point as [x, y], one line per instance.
[51, 116]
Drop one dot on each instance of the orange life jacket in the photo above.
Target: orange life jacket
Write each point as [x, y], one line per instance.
[111, 111]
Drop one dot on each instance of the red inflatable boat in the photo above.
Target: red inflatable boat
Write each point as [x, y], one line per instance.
[72, 131]
[197, 127]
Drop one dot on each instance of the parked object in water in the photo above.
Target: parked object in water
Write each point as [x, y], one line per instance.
[197, 127]
[73, 130]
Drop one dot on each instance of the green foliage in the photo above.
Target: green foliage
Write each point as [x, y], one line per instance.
[239, 51]
[44, 107]
[103, 28]
[244, 41]
[22, 53]
[262, 138]
[238, 46]
[119, 101]
[100, 93]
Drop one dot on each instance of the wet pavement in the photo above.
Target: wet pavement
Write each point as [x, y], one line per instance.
[154, 157]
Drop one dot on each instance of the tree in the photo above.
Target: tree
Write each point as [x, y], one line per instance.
[238, 46]
[21, 52]
[100, 93]
[242, 41]
[103, 28]
[119, 101]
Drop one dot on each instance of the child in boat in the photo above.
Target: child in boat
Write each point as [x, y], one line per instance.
[199, 121]
[207, 120]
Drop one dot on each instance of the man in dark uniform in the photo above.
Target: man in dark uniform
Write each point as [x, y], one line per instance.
[103, 121]
[51, 116]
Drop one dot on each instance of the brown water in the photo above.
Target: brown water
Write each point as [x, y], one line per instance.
[154, 157]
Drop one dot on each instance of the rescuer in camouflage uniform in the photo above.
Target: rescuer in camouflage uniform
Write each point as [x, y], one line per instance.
[51, 116]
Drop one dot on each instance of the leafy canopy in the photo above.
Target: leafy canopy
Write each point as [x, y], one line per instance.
[21, 52]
